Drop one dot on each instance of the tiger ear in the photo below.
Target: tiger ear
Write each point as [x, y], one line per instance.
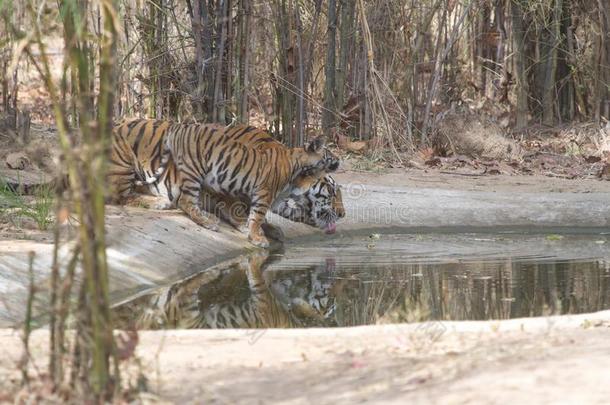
[315, 144]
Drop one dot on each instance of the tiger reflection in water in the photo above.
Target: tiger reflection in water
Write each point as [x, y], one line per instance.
[242, 296]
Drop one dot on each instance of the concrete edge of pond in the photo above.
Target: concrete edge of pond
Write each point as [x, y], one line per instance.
[530, 325]
[149, 248]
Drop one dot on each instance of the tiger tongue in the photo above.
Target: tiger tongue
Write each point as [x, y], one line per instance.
[331, 228]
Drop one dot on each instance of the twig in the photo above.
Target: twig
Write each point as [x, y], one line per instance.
[462, 174]
[27, 326]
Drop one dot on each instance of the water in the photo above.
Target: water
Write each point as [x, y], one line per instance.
[387, 279]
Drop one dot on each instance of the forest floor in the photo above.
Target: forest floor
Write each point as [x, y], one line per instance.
[537, 360]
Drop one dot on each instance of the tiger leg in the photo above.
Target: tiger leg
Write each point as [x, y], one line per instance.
[234, 211]
[269, 230]
[256, 218]
[269, 311]
[273, 232]
[189, 203]
[229, 209]
[121, 171]
[121, 181]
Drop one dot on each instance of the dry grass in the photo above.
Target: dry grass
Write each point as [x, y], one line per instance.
[603, 141]
[465, 133]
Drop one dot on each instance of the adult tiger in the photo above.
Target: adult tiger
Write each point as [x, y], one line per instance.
[320, 206]
[207, 156]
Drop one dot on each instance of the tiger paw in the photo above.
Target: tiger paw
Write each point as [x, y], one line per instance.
[273, 232]
[162, 204]
[259, 241]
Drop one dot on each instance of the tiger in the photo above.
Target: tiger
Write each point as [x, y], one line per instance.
[320, 206]
[237, 297]
[191, 159]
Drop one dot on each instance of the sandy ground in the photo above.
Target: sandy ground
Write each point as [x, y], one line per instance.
[540, 360]
[453, 181]
[395, 363]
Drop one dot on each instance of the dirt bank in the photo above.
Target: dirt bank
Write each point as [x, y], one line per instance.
[540, 360]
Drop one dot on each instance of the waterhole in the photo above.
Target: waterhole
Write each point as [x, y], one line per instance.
[382, 278]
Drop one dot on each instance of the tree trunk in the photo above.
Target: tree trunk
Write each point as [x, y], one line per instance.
[346, 28]
[602, 109]
[218, 100]
[286, 81]
[565, 76]
[521, 82]
[202, 33]
[301, 116]
[328, 115]
[242, 90]
[550, 70]
[85, 159]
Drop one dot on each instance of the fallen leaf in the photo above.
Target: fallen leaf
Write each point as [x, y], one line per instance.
[357, 147]
[341, 141]
[63, 215]
[593, 159]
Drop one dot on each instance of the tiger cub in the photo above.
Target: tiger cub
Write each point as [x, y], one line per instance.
[204, 157]
[321, 206]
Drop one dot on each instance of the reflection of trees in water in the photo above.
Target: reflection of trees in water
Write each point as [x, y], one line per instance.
[244, 295]
[488, 290]
[563, 288]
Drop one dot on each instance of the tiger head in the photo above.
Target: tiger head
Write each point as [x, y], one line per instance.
[321, 205]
